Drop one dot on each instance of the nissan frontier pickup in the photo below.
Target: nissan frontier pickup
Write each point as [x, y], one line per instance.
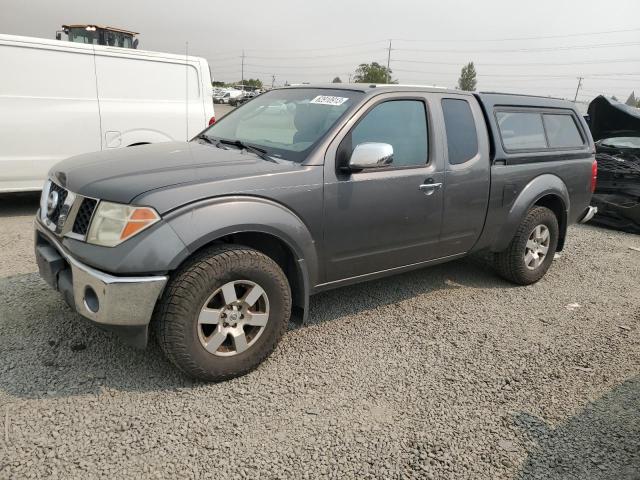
[213, 244]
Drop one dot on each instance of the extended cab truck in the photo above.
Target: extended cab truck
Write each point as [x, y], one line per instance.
[215, 242]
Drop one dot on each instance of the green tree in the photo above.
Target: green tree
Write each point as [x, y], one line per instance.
[251, 82]
[373, 73]
[631, 101]
[336, 80]
[467, 80]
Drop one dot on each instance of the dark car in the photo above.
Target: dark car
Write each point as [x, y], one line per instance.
[616, 129]
[215, 243]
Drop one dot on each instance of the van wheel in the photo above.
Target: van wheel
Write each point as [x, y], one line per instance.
[223, 312]
[531, 251]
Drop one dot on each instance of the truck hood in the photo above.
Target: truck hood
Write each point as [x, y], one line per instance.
[122, 174]
[608, 118]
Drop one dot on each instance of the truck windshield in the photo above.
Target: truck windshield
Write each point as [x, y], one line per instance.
[286, 123]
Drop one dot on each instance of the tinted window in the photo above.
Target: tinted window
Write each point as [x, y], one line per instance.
[521, 131]
[402, 124]
[462, 138]
[562, 131]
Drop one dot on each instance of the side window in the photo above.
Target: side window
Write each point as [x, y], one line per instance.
[521, 131]
[462, 137]
[402, 124]
[562, 131]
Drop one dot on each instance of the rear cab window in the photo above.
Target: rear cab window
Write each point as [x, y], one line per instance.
[538, 130]
[562, 131]
[462, 136]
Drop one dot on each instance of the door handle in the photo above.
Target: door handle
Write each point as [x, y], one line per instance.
[430, 188]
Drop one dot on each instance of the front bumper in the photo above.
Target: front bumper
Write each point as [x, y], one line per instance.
[124, 304]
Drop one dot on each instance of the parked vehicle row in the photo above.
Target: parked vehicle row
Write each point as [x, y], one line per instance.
[216, 242]
[234, 96]
[59, 99]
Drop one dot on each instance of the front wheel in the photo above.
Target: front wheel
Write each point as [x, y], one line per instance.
[531, 251]
[223, 313]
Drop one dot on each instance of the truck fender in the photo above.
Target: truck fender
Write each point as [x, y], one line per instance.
[546, 185]
[202, 223]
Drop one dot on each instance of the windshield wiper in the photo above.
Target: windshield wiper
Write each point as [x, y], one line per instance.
[261, 152]
[210, 140]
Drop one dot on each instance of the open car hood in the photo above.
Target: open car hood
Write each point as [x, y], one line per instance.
[609, 118]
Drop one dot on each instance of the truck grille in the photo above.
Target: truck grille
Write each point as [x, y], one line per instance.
[83, 217]
[62, 196]
[71, 213]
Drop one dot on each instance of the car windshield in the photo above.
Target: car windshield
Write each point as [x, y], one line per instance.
[621, 142]
[286, 123]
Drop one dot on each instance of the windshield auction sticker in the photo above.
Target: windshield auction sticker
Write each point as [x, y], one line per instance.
[328, 100]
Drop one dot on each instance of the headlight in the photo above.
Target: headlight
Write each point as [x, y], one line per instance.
[113, 223]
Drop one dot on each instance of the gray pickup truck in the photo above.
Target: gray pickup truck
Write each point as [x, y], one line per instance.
[215, 243]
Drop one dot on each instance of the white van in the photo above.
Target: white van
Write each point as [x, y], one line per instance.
[59, 99]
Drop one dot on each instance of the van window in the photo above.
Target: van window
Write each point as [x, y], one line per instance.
[400, 123]
[131, 78]
[521, 130]
[562, 131]
[462, 138]
[67, 74]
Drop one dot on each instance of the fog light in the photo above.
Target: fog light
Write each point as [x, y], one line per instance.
[91, 299]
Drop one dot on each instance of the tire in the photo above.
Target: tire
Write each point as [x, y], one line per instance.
[190, 298]
[513, 264]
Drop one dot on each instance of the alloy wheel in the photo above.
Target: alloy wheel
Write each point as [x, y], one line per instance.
[233, 318]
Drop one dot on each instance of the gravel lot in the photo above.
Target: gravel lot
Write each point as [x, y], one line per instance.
[447, 372]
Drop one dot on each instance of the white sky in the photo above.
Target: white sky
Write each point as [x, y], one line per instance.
[300, 40]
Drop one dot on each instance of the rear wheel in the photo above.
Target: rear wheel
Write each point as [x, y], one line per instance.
[531, 251]
[223, 312]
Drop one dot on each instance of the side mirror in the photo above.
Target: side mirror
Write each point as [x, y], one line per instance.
[371, 155]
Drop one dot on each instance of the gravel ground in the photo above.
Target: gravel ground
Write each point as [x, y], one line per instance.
[447, 372]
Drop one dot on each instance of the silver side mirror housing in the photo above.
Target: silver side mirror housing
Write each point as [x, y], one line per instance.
[371, 155]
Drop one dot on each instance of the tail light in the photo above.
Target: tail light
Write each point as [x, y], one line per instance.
[594, 175]
[212, 120]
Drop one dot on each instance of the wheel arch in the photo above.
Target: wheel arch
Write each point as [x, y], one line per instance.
[545, 190]
[279, 251]
[266, 226]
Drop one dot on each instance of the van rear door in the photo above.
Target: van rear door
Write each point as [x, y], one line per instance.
[48, 108]
[145, 98]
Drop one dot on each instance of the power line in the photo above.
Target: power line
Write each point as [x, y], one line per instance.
[538, 37]
[307, 57]
[511, 64]
[439, 40]
[339, 47]
[515, 50]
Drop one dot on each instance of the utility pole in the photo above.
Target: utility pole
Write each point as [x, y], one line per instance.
[389, 62]
[242, 67]
[273, 80]
[349, 78]
[577, 89]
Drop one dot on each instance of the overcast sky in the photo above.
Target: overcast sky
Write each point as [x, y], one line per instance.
[298, 40]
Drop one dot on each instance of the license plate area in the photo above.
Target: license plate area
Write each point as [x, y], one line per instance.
[50, 263]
